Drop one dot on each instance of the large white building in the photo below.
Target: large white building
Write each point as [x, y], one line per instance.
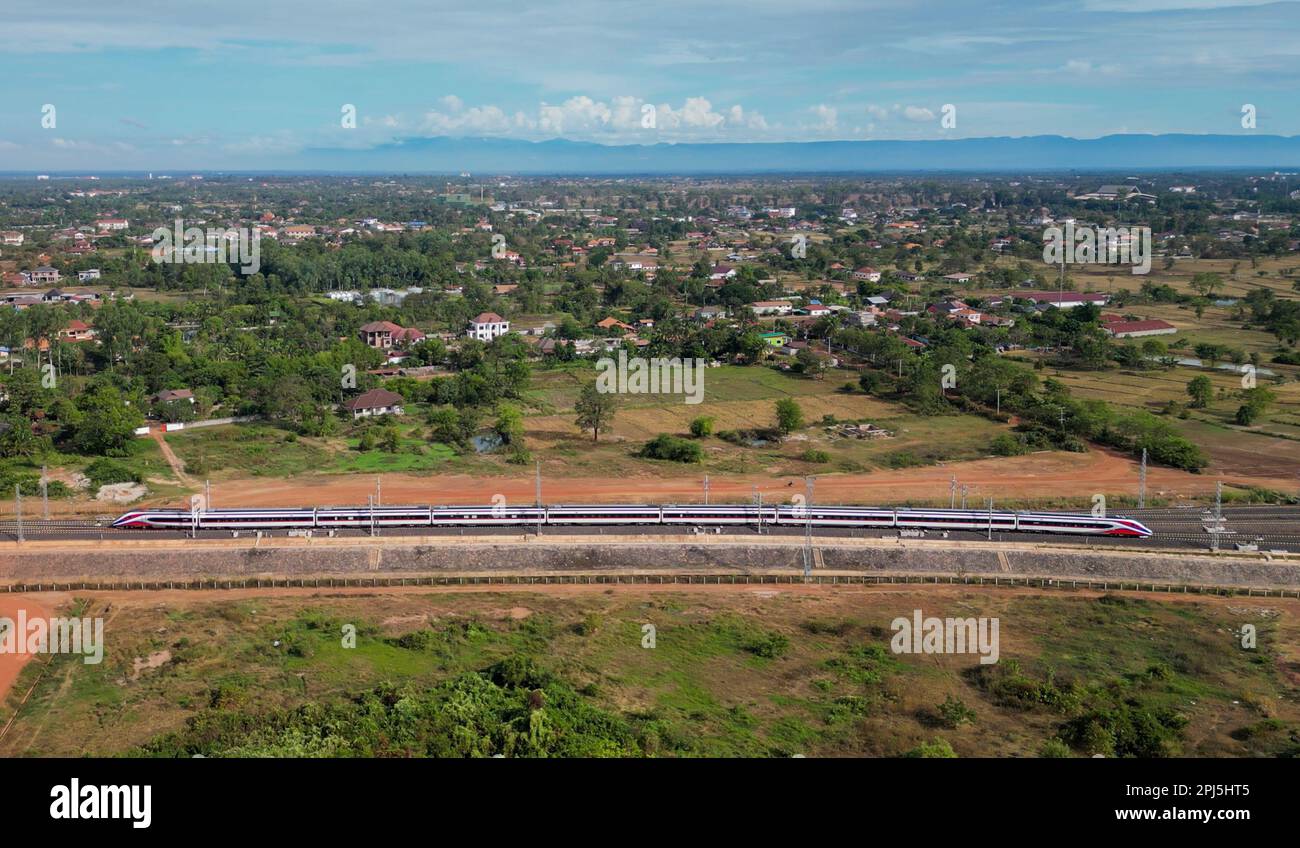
[771, 307]
[486, 326]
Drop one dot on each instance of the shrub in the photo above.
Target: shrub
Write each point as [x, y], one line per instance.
[953, 713]
[768, 645]
[1008, 445]
[1054, 749]
[811, 455]
[672, 448]
[938, 749]
[702, 426]
[105, 472]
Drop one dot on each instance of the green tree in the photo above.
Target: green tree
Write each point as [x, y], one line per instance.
[17, 439]
[595, 410]
[1201, 391]
[789, 417]
[107, 423]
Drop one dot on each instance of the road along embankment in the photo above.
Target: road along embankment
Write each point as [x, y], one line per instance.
[188, 561]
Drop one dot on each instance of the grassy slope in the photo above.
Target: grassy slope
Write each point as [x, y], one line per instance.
[829, 687]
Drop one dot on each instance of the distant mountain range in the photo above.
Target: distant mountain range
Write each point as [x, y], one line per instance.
[1036, 153]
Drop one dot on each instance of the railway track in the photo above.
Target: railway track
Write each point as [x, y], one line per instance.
[1268, 527]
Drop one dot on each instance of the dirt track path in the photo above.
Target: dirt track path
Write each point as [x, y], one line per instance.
[178, 467]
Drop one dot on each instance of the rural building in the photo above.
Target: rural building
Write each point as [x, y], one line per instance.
[384, 335]
[1066, 300]
[172, 396]
[1137, 329]
[77, 331]
[45, 274]
[771, 307]
[375, 402]
[486, 326]
[298, 231]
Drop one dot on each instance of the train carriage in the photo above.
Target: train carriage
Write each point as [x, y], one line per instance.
[604, 514]
[632, 514]
[487, 516]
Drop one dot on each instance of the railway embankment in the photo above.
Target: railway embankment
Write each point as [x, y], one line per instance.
[153, 561]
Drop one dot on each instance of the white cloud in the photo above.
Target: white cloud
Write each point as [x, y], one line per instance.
[476, 119]
[827, 117]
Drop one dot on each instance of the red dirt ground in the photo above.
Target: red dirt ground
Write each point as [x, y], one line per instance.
[12, 664]
[1042, 475]
[1038, 476]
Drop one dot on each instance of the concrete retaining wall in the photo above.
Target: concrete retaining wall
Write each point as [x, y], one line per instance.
[109, 561]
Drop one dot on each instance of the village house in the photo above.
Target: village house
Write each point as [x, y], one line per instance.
[171, 396]
[375, 402]
[112, 224]
[77, 331]
[871, 275]
[298, 231]
[11, 238]
[384, 335]
[44, 274]
[612, 323]
[487, 326]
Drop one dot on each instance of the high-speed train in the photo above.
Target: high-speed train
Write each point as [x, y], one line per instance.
[327, 518]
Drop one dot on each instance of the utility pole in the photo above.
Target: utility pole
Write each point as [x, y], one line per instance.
[538, 472]
[1217, 529]
[706, 490]
[18, 508]
[999, 406]
[759, 497]
[964, 489]
[371, 498]
[207, 494]
[379, 490]
[808, 499]
[1142, 481]
[990, 519]
[952, 492]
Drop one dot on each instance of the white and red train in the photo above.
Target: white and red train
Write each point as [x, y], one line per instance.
[326, 518]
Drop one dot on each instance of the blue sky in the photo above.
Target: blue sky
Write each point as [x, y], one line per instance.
[158, 85]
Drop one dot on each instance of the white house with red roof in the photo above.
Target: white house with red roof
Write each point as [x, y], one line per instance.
[486, 326]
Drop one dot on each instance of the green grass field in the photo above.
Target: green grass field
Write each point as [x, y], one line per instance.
[736, 673]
